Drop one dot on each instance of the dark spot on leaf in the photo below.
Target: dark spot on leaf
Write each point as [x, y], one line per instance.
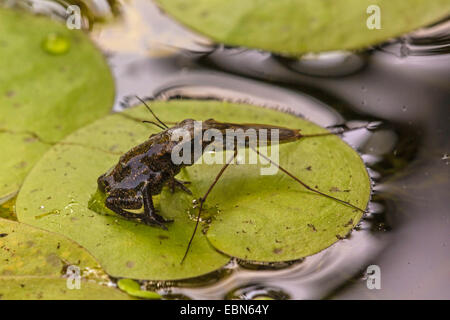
[130, 264]
[114, 147]
[349, 223]
[20, 165]
[308, 168]
[30, 139]
[162, 237]
[2, 235]
[335, 189]
[53, 260]
[277, 250]
[312, 227]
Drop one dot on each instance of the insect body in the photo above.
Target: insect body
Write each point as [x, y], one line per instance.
[143, 171]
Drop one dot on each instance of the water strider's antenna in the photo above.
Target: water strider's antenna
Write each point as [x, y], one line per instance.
[148, 108]
[156, 124]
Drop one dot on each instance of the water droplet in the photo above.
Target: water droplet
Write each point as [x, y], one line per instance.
[404, 108]
[445, 158]
[56, 44]
[374, 125]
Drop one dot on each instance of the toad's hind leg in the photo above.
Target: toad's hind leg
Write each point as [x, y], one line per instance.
[150, 216]
[116, 205]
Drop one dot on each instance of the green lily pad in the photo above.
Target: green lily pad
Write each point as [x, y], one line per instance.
[274, 218]
[124, 248]
[53, 81]
[49, 288]
[262, 206]
[7, 209]
[28, 251]
[294, 27]
[33, 262]
[133, 288]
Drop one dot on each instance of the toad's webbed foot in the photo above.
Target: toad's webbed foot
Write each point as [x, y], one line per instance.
[174, 183]
[156, 220]
[150, 217]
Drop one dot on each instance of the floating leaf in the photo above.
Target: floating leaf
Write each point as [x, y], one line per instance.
[33, 262]
[273, 218]
[133, 288]
[265, 218]
[7, 210]
[294, 27]
[49, 288]
[124, 248]
[53, 80]
[28, 251]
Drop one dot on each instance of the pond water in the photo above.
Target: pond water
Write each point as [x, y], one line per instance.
[401, 88]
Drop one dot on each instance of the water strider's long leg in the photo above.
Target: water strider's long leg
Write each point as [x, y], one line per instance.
[305, 185]
[203, 199]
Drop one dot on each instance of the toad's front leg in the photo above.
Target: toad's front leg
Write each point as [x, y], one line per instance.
[174, 183]
[150, 215]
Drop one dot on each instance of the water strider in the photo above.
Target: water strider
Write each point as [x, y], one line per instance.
[143, 171]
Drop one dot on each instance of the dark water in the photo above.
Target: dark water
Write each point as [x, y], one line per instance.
[402, 88]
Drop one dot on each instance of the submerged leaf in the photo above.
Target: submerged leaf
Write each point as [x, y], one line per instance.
[294, 27]
[49, 288]
[34, 262]
[28, 251]
[133, 288]
[254, 217]
[53, 80]
[7, 210]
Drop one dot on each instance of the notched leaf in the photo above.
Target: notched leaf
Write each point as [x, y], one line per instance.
[61, 101]
[249, 212]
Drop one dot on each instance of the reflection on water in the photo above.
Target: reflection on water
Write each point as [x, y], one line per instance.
[401, 86]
